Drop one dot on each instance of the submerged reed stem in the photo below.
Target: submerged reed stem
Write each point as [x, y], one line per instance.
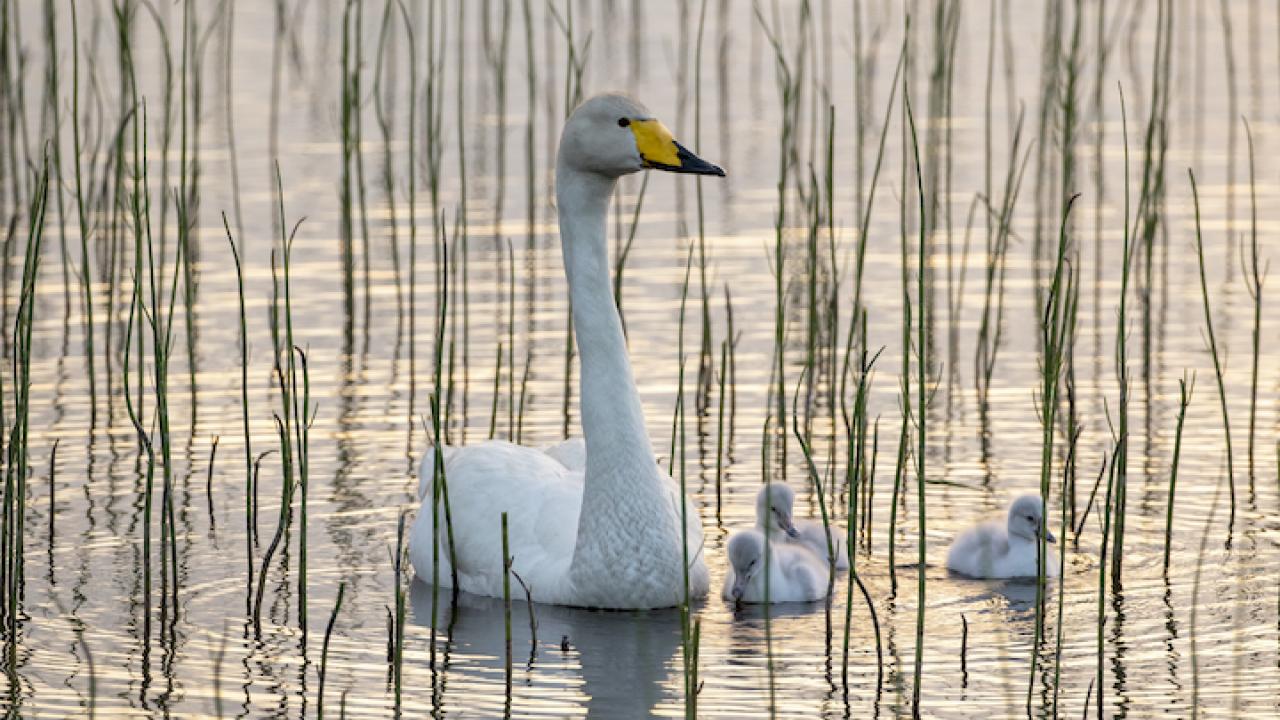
[324, 650]
[1186, 388]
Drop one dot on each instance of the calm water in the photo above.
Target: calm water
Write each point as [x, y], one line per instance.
[1167, 641]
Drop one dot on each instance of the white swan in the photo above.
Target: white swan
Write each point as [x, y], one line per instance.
[989, 550]
[795, 574]
[774, 511]
[599, 527]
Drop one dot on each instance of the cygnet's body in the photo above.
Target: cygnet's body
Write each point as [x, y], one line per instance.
[1008, 550]
[795, 574]
[774, 513]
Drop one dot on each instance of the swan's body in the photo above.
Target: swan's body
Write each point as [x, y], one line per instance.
[596, 523]
[795, 574]
[1005, 550]
[774, 507]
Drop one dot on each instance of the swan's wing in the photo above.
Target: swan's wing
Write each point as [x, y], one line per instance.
[571, 453]
[810, 581]
[542, 500]
[812, 537]
[804, 574]
[977, 550]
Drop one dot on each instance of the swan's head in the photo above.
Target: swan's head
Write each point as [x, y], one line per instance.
[746, 556]
[773, 508]
[1026, 518]
[614, 135]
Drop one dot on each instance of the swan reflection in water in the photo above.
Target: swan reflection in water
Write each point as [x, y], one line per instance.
[625, 662]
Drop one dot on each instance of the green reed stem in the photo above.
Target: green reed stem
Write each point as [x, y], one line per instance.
[85, 279]
[1055, 331]
[302, 419]
[1120, 457]
[1185, 389]
[250, 476]
[208, 481]
[397, 658]
[497, 391]
[620, 264]
[16, 467]
[1213, 350]
[922, 351]
[1255, 277]
[1101, 644]
[815, 478]
[324, 650]
[506, 610]
[720, 439]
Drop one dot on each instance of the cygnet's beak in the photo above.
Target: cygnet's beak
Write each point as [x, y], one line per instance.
[785, 524]
[1048, 535]
[659, 150]
[736, 591]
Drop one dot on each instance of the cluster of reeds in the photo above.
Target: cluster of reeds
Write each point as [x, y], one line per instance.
[16, 463]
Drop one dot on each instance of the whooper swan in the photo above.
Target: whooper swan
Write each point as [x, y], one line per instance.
[605, 533]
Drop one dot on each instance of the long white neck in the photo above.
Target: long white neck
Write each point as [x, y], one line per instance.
[624, 494]
[612, 417]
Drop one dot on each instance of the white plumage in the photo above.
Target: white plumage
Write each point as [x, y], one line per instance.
[591, 522]
[795, 574]
[774, 507]
[1008, 550]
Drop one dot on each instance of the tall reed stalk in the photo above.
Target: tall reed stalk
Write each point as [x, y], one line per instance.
[1218, 371]
[1120, 455]
[249, 475]
[922, 393]
[1055, 336]
[85, 279]
[17, 463]
[788, 89]
[1255, 276]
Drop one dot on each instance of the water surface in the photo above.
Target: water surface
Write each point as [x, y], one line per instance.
[1204, 633]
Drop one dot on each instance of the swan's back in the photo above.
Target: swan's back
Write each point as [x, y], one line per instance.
[813, 538]
[987, 551]
[571, 453]
[542, 499]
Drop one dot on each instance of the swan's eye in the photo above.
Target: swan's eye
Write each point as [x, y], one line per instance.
[623, 122]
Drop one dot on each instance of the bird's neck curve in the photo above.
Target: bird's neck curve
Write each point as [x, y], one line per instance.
[622, 478]
[612, 416]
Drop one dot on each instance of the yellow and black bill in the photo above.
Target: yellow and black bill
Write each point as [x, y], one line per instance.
[659, 150]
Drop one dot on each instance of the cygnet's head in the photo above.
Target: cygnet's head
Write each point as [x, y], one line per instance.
[614, 135]
[746, 556]
[1026, 518]
[773, 508]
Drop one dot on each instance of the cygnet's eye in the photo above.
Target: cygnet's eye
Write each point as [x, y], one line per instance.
[623, 122]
